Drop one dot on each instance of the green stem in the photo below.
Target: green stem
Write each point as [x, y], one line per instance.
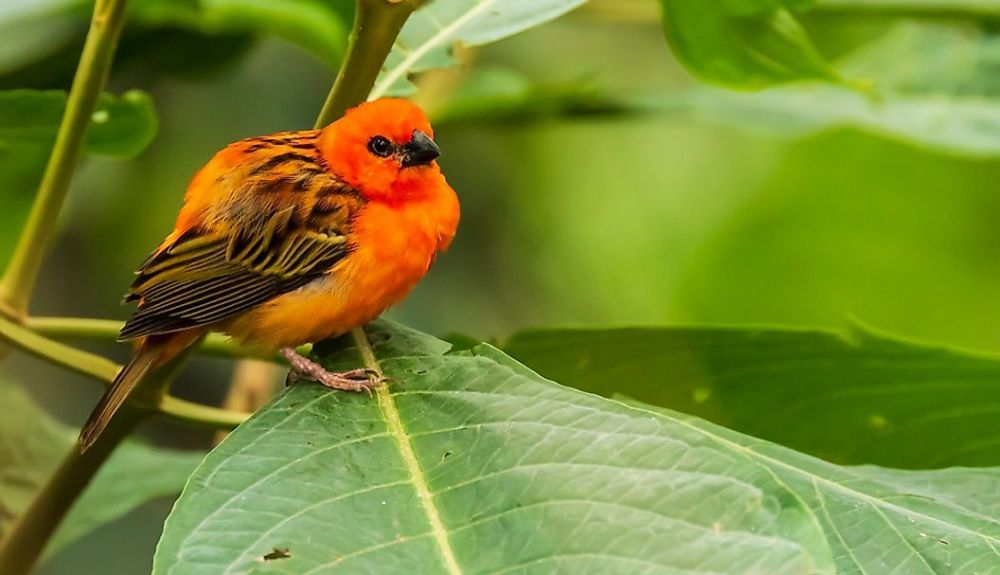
[376, 25]
[75, 327]
[215, 345]
[104, 371]
[91, 73]
[33, 528]
[935, 8]
[201, 415]
[76, 360]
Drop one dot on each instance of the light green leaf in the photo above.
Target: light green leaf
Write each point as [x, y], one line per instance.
[313, 24]
[931, 86]
[31, 447]
[120, 127]
[961, 126]
[431, 33]
[471, 463]
[743, 43]
[853, 397]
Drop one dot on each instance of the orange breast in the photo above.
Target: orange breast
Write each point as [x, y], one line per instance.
[393, 248]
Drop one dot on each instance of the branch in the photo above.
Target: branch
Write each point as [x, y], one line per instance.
[376, 25]
[104, 371]
[77, 360]
[19, 278]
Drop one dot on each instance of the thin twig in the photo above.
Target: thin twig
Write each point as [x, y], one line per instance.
[215, 345]
[104, 371]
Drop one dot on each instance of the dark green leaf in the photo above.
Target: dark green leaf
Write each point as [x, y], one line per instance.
[471, 463]
[312, 24]
[849, 398]
[31, 446]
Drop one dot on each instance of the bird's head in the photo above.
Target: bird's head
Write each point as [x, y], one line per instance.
[384, 149]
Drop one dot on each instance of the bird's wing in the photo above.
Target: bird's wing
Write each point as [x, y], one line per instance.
[210, 273]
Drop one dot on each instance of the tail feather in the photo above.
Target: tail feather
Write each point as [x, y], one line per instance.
[145, 359]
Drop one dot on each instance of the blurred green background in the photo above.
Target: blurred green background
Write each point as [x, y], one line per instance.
[681, 213]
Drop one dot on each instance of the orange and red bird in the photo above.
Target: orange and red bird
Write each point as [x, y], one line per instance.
[292, 238]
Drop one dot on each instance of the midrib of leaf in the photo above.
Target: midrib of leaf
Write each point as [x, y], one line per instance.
[396, 429]
[392, 76]
[875, 502]
[390, 413]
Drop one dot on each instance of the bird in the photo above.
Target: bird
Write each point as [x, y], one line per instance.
[292, 238]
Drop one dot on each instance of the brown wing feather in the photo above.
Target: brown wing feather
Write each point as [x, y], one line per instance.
[286, 228]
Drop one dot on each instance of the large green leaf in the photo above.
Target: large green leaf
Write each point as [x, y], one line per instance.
[847, 397]
[31, 446]
[429, 36]
[743, 43]
[120, 127]
[471, 463]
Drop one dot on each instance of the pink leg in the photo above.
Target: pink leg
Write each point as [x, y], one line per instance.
[353, 380]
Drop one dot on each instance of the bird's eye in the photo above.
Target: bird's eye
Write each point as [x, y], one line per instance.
[380, 146]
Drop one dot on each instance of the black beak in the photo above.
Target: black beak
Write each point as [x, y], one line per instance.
[420, 150]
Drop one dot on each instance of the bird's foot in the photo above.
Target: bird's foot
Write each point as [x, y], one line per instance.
[303, 368]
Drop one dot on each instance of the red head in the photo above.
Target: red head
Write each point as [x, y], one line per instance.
[385, 150]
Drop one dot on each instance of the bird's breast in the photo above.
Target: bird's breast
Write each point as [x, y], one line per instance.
[392, 249]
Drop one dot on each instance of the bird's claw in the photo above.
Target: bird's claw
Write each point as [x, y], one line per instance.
[361, 379]
[354, 380]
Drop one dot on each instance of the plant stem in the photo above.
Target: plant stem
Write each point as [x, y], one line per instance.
[936, 8]
[91, 73]
[75, 327]
[376, 25]
[33, 528]
[215, 345]
[201, 415]
[77, 360]
[104, 371]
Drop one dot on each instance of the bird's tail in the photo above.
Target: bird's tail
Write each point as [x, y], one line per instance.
[149, 355]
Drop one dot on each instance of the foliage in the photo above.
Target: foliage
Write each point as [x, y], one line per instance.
[472, 461]
[851, 398]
